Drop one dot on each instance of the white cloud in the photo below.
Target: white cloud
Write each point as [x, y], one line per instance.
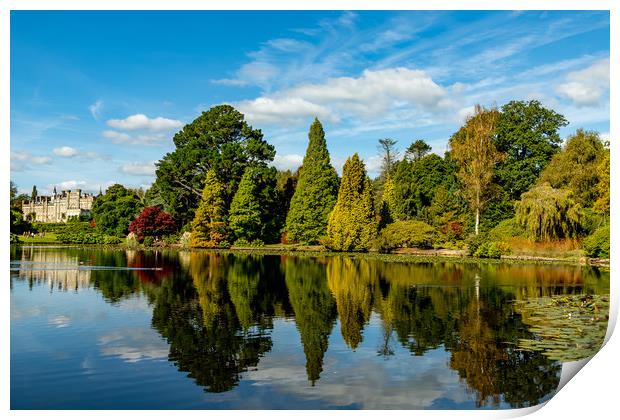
[147, 139]
[65, 151]
[229, 82]
[95, 109]
[139, 168]
[587, 87]
[141, 121]
[116, 136]
[290, 162]
[27, 157]
[371, 95]
[275, 110]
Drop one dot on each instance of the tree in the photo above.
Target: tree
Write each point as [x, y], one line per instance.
[388, 203]
[208, 227]
[18, 224]
[473, 149]
[252, 211]
[35, 193]
[219, 139]
[152, 221]
[316, 191]
[602, 202]
[527, 134]
[389, 156]
[352, 225]
[548, 213]
[417, 150]
[576, 166]
[114, 210]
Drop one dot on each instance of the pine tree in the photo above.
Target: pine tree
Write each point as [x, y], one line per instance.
[208, 227]
[352, 225]
[316, 191]
[253, 209]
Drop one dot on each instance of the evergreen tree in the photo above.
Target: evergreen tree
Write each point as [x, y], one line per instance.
[417, 150]
[315, 195]
[35, 193]
[208, 226]
[352, 225]
[254, 205]
[388, 203]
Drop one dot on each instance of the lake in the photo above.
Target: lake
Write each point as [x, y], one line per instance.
[125, 329]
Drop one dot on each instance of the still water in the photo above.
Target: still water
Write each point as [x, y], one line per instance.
[113, 329]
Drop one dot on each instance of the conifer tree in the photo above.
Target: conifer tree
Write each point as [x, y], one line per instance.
[388, 203]
[253, 209]
[352, 224]
[316, 191]
[208, 227]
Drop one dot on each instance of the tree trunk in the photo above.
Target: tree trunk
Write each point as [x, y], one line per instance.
[477, 219]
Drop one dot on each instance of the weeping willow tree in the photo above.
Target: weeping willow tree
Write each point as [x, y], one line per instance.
[548, 213]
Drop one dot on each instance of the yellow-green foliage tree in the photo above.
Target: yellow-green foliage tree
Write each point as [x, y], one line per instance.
[576, 166]
[602, 202]
[352, 225]
[208, 227]
[388, 203]
[473, 149]
[548, 213]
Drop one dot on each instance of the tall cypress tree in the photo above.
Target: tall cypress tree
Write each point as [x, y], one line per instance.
[208, 227]
[316, 191]
[253, 209]
[352, 224]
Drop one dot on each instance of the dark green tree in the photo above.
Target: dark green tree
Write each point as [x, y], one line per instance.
[527, 134]
[316, 191]
[35, 193]
[253, 209]
[219, 139]
[352, 225]
[314, 307]
[417, 150]
[114, 210]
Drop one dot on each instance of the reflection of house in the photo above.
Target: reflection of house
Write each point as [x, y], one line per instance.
[58, 207]
[58, 270]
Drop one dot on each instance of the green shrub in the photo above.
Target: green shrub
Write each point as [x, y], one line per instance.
[492, 250]
[597, 244]
[244, 243]
[404, 234]
[15, 239]
[131, 240]
[148, 241]
[505, 230]
[171, 239]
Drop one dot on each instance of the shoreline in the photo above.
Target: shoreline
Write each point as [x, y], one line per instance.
[402, 255]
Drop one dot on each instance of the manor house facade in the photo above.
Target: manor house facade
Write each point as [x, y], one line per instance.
[58, 207]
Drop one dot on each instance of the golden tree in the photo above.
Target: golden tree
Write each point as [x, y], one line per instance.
[473, 149]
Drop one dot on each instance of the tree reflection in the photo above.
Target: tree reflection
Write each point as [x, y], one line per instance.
[351, 281]
[195, 314]
[314, 308]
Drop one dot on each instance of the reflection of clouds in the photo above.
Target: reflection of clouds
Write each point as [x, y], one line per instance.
[19, 312]
[133, 345]
[59, 321]
[365, 379]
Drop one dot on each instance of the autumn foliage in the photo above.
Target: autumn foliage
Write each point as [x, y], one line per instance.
[153, 221]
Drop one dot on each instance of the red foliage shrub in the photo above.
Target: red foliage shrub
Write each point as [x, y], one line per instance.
[153, 221]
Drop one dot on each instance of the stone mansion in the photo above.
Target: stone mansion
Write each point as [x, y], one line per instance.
[58, 207]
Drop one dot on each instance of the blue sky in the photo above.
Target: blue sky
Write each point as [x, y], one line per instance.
[97, 96]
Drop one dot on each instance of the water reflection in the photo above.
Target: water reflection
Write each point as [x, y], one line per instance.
[217, 311]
